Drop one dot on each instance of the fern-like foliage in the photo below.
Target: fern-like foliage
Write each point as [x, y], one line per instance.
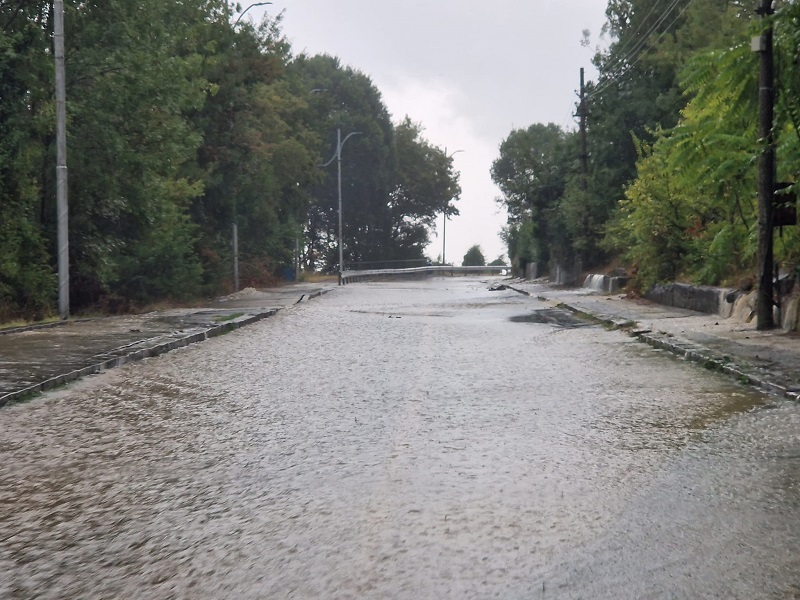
[692, 211]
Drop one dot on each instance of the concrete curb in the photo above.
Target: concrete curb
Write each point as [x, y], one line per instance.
[690, 351]
[710, 360]
[136, 355]
[306, 297]
[37, 326]
[685, 349]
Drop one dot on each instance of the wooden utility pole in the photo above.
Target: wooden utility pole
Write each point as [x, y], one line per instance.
[584, 181]
[584, 151]
[766, 169]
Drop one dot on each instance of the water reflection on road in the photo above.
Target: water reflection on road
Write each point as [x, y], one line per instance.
[403, 441]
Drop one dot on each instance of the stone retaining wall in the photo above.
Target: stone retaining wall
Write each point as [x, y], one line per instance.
[701, 298]
[725, 302]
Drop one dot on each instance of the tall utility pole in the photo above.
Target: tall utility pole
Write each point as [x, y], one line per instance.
[338, 158]
[339, 168]
[444, 237]
[62, 208]
[582, 113]
[766, 169]
[444, 212]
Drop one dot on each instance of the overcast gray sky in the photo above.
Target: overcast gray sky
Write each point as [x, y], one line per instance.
[469, 71]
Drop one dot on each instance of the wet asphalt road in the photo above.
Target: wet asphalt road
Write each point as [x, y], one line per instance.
[403, 440]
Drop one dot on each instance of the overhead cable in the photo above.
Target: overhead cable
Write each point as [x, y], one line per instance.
[640, 45]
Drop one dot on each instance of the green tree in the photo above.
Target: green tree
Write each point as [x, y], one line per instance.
[133, 76]
[258, 156]
[474, 257]
[635, 119]
[691, 212]
[532, 173]
[425, 186]
[638, 92]
[27, 282]
[178, 121]
[345, 99]
[394, 182]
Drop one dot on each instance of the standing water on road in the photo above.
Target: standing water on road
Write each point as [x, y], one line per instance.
[403, 440]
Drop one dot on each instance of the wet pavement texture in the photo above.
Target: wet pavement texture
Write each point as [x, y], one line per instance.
[768, 359]
[403, 440]
[53, 354]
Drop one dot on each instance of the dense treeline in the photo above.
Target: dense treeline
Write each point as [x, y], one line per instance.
[672, 143]
[181, 121]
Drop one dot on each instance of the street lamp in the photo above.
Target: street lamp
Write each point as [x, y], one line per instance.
[248, 8]
[444, 213]
[62, 207]
[338, 156]
[235, 225]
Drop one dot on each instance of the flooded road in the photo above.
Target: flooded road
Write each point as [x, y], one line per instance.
[403, 440]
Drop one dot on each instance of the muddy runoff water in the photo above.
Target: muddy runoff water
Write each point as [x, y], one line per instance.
[403, 440]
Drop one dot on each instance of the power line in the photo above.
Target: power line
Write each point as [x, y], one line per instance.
[637, 49]
[643, 40]
[635, 31]
[608, 83]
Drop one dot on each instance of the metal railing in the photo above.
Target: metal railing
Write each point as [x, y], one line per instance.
[377, 265]
[351, 276]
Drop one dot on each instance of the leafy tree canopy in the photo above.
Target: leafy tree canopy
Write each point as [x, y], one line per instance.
[394, 182]
[672, 148]
[184, 121]
[474, 257]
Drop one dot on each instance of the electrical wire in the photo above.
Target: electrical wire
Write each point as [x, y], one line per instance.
[635, 51]
[639, 47]
[643, 40]
[608, 83]
[630, 39]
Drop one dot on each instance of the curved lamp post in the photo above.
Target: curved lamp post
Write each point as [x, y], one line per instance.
[235, 233]
[235, 23]
[338, 157]
[444, 213]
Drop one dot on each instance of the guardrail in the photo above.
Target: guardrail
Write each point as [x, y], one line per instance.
[429, 271]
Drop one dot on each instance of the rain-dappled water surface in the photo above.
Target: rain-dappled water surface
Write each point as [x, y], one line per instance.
[403, 440]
